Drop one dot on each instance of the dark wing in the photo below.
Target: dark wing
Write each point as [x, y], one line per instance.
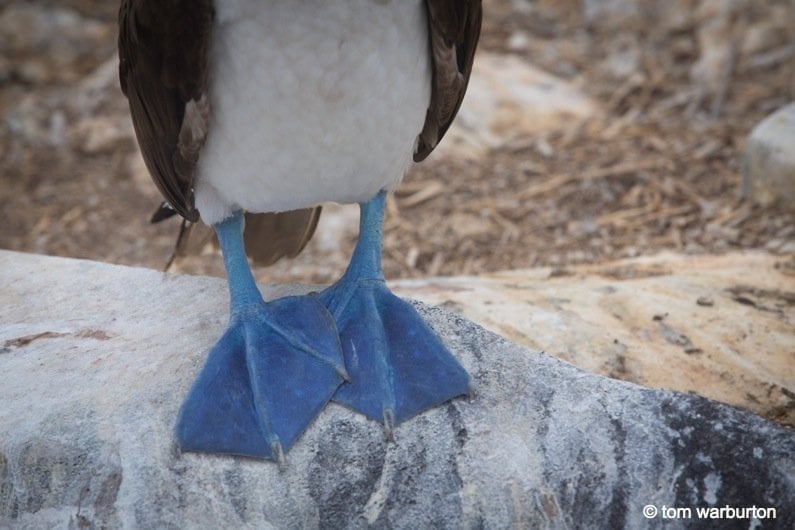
[454, 27]
[163, 47]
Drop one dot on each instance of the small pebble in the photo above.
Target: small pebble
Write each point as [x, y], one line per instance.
[705, 301]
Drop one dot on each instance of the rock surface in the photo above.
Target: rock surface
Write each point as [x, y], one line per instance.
[721, 326]
[769, 159]
[96, 359]
[51, 45]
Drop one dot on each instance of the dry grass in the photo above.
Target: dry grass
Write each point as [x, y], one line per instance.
[659, 168]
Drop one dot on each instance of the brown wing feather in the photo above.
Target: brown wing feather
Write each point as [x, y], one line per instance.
[162, 69]
[454, 29]
[163, 46]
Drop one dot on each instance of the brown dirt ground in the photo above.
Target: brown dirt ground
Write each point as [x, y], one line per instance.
[659, 170]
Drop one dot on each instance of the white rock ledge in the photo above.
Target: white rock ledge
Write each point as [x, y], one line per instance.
[96, 359]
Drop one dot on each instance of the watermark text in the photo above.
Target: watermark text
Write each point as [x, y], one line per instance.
[650, 511]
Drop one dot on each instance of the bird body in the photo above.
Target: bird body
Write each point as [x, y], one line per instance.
[311, 101]
[266, 109]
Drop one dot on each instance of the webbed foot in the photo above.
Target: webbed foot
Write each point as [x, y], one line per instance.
[272, 371]
[398, 366]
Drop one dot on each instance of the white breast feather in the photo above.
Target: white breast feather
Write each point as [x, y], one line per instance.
[311, 101]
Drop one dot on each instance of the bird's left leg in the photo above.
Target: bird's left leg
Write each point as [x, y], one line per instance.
[398, 366]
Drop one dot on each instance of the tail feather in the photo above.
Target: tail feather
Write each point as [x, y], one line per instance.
[268, 236]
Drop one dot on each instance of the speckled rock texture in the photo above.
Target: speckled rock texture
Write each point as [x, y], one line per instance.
[96, 359]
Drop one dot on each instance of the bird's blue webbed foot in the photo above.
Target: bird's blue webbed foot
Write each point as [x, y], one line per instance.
[398, 366]
[272, 371]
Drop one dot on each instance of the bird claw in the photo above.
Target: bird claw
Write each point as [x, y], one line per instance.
[389, 425]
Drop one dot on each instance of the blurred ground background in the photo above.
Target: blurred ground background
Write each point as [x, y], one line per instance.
[672, 89]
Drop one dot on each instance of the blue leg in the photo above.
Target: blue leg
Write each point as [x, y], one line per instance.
[398, 367]
[272, 371]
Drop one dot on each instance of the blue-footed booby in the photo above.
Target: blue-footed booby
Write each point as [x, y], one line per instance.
[249, 107]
